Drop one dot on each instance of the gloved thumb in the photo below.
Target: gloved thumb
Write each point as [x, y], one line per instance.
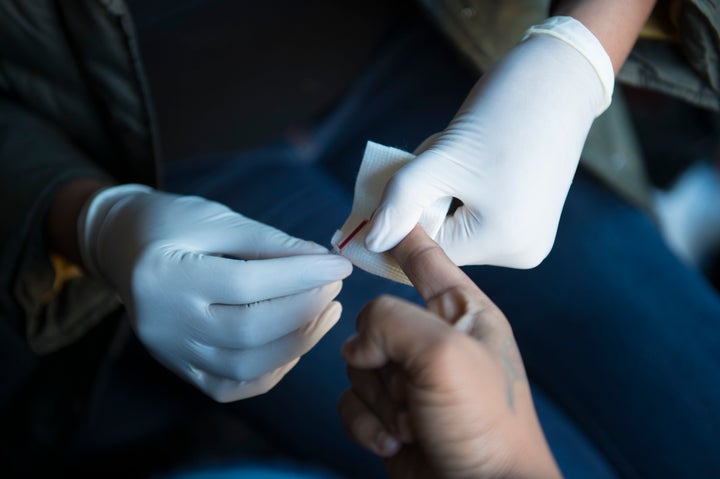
[407, 195]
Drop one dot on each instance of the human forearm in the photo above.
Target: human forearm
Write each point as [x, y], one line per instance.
[61, 219]
[615, 23]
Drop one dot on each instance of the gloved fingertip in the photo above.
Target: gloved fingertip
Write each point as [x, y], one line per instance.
[375, 243]
[390, 224]
[375, 240]
[334, 267]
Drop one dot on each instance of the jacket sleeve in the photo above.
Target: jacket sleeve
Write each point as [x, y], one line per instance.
[685, 68]
[35, 160]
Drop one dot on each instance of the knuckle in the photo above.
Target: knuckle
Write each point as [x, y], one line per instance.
[379, 306]
[444, 352]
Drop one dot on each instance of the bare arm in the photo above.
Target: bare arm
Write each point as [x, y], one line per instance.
[615, 23]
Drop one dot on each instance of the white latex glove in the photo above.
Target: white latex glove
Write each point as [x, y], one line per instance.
[509, 155]
[227, 303]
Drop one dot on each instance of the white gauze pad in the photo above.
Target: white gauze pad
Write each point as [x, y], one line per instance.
[379, 164]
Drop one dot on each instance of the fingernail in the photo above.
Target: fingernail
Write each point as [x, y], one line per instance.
[385, 445]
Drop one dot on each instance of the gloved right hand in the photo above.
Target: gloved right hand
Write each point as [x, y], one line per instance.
[227, 303]
[509, 154]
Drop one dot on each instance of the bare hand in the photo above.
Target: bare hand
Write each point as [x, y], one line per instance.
[441, 392]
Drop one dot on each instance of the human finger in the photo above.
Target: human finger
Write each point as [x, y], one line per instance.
[370, 388]
[232, 281]
[446, 289]
[224, 390]
[393, 330]
[362, 425]
[250, 325]
[427, 266]
[255, 240]
[245, 365]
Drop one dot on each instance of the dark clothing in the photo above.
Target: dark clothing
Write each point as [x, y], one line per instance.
[236, 74]
[74, 103]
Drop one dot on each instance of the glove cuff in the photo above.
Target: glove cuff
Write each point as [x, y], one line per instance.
[92, 216]
[575, 34]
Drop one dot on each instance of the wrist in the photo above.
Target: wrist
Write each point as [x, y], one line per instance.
[91, 219]
[615, 23]
[65, 210]
[533, 458]
[574, 33]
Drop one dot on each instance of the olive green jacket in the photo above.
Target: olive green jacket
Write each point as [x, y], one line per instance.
[74, 103]
[484, 30]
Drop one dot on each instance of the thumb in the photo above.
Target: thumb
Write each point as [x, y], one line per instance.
[428, 267]
[413, 189]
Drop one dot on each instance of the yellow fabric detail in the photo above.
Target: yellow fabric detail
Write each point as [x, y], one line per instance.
[64, 271]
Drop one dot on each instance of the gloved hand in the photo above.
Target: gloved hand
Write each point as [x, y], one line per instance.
[509, 155]
[227, 303]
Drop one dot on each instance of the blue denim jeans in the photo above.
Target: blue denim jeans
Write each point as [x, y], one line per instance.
[621, 341]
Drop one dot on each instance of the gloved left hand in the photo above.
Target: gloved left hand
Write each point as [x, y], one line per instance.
[509, 155]
[227, 303]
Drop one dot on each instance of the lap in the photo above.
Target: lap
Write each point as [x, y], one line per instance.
[619, 338]
[299, 415]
